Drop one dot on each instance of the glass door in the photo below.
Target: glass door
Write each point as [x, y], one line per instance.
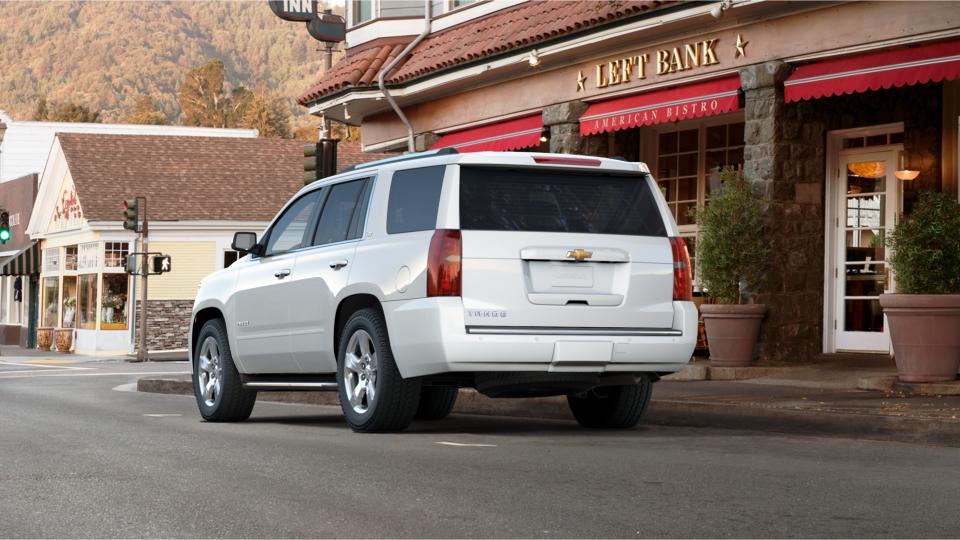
[867, 202]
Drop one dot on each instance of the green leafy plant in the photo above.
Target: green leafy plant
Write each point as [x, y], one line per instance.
[731, 248]
[926, 246]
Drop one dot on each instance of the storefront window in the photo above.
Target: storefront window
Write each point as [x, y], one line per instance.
[89, 256]
[87, 301]
[69, 301]
[115, 254]
[4, 297]
[689, 160]
[51, 260]
[51, 301]
[70, 258]
[114, 302]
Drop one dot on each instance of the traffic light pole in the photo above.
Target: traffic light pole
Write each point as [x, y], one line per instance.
[142, 355]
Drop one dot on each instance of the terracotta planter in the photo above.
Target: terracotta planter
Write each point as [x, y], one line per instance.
[732, 330]
[64, 339]
[44, 338]
[925, 331]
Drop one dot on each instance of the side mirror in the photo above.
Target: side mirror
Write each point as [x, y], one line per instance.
[245, 242]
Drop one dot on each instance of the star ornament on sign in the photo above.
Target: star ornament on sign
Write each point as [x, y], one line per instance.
[741, 46]
[581, 80]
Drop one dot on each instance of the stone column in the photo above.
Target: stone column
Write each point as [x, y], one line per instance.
[563, 121]
[784, 161]
[423, 141]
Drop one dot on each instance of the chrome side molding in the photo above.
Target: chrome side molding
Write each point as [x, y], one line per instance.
[553, 331]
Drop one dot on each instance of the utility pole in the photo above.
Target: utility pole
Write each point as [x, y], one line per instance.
[142, 355]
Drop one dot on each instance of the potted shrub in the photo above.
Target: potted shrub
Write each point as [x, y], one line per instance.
[924, 314]
[44, 338]
[730, 253]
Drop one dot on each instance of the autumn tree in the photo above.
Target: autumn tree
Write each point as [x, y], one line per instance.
[202, 98]
[64, 112]
[145, 112]
[266, 112]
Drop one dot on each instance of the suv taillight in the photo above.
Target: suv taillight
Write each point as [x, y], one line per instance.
[443, 263]
[682, 280]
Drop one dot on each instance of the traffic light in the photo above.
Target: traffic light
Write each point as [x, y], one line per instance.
[4, 227]
[311, 165]
[131, 214]
[319, 160]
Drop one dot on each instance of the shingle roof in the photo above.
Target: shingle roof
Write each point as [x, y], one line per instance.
[183, 178]
[522, 26]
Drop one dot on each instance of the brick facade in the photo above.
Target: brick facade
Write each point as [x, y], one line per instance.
[168, 323]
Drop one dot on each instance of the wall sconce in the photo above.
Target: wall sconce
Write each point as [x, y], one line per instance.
[903, 173]
[346, 113]
[534, 58]
[543, 137]
[718, 10]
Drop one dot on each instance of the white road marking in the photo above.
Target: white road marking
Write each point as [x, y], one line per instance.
[162, 415]
[445, 443]
[110, 374]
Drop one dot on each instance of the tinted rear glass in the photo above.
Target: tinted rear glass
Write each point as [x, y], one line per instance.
[414, 199]
[495, 199]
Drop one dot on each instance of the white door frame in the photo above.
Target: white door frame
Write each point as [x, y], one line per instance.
[832, 184]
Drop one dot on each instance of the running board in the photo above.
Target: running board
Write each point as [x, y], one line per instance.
[291, 385]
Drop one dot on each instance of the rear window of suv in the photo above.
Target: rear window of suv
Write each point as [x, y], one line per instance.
[499, 199]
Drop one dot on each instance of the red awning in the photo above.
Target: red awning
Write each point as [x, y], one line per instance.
[873, 71]
[691, 101]
[509, 135]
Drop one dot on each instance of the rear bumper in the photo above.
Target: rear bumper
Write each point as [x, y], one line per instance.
[428, 336]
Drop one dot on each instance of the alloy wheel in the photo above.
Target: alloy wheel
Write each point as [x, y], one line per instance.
[360, 371]
[210, 371]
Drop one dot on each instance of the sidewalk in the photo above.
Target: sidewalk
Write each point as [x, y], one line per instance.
[15, 353]
[816, 399]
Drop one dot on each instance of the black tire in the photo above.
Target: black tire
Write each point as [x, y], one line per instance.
[436, 402]
[611, 407]
[232, 403]
[395, 399]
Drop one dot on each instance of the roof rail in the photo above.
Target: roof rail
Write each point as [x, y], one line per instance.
[404, 157]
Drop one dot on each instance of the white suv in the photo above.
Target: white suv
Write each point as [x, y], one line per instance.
[400, 281]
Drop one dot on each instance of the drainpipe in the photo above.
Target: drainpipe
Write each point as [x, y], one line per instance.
[394, 62]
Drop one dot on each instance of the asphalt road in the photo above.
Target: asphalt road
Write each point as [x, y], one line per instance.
[80, 457]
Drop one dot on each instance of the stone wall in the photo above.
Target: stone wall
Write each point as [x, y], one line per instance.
[168, 323]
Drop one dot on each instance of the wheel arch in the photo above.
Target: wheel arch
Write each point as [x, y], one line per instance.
[347, 307]
[200, 318]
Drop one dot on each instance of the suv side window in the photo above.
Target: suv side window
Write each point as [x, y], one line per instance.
[338, 220]
[290, 231]
[414, 199]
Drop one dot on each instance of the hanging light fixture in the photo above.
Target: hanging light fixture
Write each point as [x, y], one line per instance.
[534, 58]
[903, 173]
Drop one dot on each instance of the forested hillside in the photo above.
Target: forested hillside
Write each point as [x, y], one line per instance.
[108, 55]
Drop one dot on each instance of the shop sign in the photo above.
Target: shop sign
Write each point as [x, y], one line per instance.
[294, 10]
[637, 67]
[67, 214]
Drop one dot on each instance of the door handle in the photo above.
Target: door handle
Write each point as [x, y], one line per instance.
[282, 273]
[336, 265]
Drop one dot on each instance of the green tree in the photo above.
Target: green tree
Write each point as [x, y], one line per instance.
[145, 112]
[202, 98]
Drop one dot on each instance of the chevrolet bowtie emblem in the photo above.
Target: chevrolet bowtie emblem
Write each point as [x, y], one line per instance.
[580, 255]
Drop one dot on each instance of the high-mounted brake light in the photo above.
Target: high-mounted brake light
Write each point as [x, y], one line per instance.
[443, 263]
[583, 162]
[682, 276]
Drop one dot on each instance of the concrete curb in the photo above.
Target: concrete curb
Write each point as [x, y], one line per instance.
[703, 371]
[666, 412]
[892, 384]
